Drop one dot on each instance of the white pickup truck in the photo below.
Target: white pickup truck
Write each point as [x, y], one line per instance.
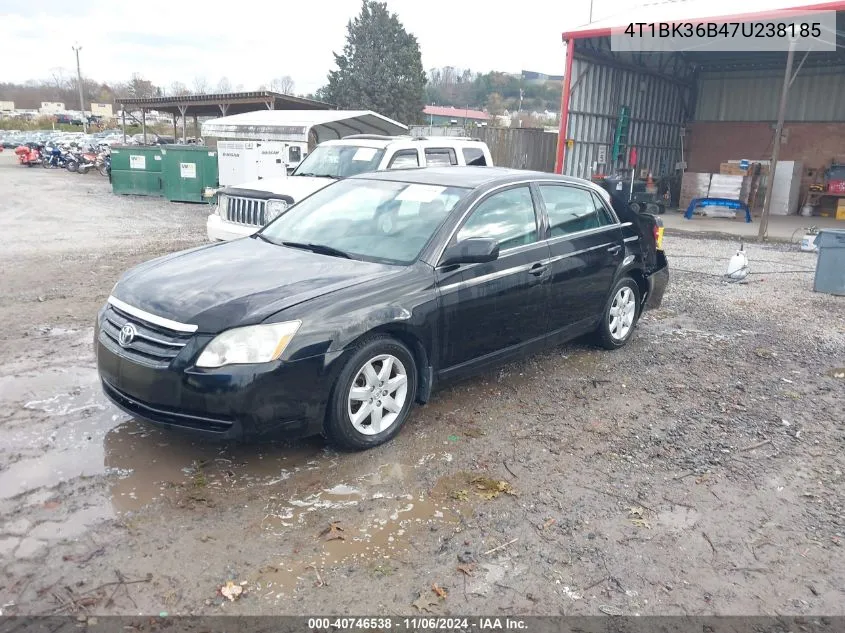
[244, 209]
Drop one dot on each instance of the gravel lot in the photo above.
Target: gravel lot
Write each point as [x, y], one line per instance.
[697, 471]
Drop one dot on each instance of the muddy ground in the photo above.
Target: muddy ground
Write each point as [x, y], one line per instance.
[697, 471]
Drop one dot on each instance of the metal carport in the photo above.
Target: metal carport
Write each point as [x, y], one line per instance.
[668, 91]
[215, 105]
[312, 126]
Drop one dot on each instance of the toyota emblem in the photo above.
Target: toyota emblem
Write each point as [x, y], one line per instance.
[127, 335]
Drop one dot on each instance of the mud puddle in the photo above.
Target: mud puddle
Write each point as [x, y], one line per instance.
[148, 463]
[391, 519]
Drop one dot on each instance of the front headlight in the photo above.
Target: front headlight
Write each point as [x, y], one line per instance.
[250, 344]
[222, 203]
[273, 209]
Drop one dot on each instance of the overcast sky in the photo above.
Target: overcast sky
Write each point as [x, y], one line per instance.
[252, 41]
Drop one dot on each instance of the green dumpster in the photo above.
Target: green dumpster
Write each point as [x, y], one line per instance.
[187, 171]
[136, 170]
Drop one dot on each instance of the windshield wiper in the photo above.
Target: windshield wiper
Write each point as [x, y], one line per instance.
[318, 248]
[313, 175]
[261, 236]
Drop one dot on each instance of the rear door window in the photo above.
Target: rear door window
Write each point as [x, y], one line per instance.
[440, 157]
[572, 209]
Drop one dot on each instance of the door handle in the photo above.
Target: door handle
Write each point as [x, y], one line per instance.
[613, 250]
[538, 269]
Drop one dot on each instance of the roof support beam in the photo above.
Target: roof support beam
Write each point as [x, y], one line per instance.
[770, 181]
[613, 63]
[182, 110]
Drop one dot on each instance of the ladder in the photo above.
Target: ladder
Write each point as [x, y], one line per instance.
[620, 139]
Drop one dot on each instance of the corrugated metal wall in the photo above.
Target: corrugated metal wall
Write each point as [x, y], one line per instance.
[818, 94]
[657, 117]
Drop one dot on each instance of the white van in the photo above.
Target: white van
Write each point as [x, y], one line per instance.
[244, 209]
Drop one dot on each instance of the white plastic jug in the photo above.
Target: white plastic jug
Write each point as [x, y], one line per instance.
[738, 266]
[808, 243]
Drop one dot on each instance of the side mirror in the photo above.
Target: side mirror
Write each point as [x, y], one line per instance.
[475, 250]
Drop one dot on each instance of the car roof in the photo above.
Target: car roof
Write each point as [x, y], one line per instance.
[469, 177]
[381, 142]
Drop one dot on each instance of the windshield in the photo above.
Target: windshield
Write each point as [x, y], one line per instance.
[372, 220]
[339, 161]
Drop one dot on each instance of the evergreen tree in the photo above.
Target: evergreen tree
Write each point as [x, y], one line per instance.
[380, 68]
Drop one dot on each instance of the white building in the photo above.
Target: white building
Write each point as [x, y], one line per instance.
[51, 107]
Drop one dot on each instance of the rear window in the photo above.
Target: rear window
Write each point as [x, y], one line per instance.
[440, 157]
[474, 156]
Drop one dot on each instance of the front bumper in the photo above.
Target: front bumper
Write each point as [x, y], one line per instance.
[282, 399]
[657, 283]
[219, 230]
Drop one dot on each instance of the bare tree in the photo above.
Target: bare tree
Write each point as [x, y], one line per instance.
[283, 85]
[201, 85]
[140, 88]
[178, 89]
[223, 86]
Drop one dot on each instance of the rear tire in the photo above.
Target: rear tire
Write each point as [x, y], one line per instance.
[620, 315]
[72, 166]
[373, 395]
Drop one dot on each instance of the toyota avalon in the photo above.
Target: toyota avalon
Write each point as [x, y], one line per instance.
[358, 301]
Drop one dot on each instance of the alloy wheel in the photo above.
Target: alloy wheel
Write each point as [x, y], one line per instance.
[377, 395]
[622, 312]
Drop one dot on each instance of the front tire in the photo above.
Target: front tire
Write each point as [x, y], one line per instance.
[72, 166]
[620, 314]
[373, 395]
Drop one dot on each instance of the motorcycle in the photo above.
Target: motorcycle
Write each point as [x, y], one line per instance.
[54, 157]
[104, 163]
[28, 155]
[88, 160]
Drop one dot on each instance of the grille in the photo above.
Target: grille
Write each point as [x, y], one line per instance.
[247, 211]
[154, 345]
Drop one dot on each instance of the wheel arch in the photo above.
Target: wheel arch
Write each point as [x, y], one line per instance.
[635, 272]
[421, 355]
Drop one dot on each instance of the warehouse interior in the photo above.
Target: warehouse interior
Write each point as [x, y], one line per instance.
[691, 117]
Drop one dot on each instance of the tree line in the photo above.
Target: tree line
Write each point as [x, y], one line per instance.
[63, 87]
[379, 68]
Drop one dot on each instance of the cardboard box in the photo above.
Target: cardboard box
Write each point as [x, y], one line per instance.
[732, 169]
[840, 209]
[693, 185]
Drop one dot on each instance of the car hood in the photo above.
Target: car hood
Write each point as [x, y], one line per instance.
[297, 187]
[241, 282]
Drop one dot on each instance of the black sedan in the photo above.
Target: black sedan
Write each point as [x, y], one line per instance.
[358, 301]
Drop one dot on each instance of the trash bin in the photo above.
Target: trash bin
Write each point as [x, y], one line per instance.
[830, 269]
[136, 170]
[187, 171]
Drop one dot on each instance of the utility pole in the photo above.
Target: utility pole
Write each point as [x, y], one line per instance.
[770, 181]
[78, 48]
